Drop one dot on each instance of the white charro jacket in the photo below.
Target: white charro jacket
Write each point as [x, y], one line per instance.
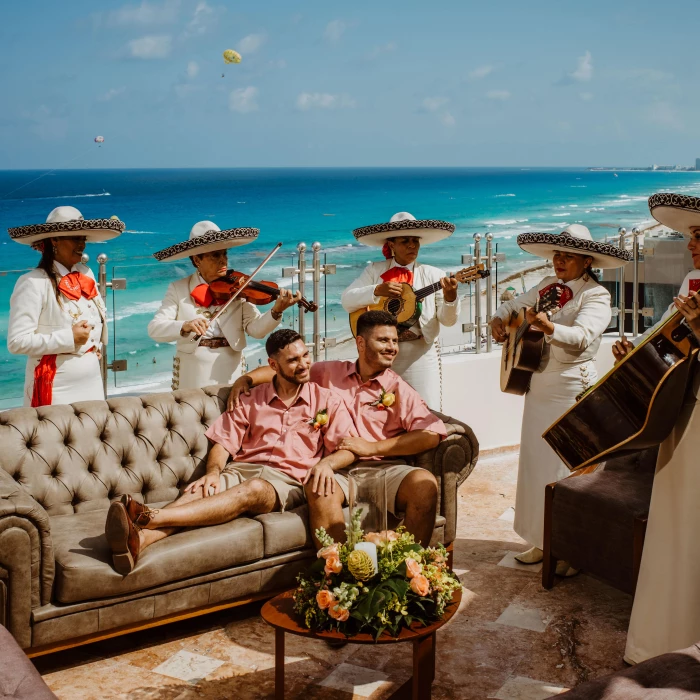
[578, 326]
[240, 318]
[435, 310]
[41, 325]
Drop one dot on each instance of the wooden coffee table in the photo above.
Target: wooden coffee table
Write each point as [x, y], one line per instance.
[279, 613]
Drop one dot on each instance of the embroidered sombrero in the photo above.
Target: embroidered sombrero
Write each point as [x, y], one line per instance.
[67, 221]
[404, 224]
[206, 237]
[677, 211]
[574, 239]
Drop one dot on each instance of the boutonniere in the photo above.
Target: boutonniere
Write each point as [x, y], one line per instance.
[320, 419]
[386, 399]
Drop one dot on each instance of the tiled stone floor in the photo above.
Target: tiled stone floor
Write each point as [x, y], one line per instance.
[510, 640]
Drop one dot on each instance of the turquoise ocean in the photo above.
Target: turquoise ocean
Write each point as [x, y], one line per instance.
[291, 205]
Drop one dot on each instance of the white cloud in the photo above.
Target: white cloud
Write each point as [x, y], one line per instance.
[666, 115]
[480, 72]
[250, 43]
[192, 69]
[47, 125]
[334, 31]
[151, 46]
[498, 95]
[432, 104]
[383, 49]
[202, 19]
[586, 96]
[584, 69]
[447, 119]
[145, 14]
[111, 94]
[323, 100]
[243, 100]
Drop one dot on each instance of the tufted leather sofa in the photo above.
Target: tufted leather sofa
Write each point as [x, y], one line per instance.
[61, 466]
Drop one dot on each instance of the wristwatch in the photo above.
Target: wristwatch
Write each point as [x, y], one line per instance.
[277, 315]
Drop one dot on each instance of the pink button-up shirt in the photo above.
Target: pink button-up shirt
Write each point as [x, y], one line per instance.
[409, 412]
[262, 430]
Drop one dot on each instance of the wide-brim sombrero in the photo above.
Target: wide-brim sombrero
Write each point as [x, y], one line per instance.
[677, 211]
[68, 221]
[574, 239]
[404, 224]
[206, 237]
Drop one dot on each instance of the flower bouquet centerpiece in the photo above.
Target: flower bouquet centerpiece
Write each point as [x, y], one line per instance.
[374, 582]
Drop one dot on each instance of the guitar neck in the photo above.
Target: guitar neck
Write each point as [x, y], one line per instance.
[427, 291]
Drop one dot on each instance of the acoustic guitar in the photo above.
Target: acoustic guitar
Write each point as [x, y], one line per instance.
[523, 348]
[635, 405]
[407, 308]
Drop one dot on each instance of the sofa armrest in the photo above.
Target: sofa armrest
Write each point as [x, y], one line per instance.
[452, 461]
[26, 554]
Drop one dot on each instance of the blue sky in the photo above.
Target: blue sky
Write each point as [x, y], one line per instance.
[380, 83]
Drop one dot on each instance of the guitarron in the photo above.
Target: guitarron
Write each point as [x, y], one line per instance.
[407, 307]
[634, 406]
[523, 348]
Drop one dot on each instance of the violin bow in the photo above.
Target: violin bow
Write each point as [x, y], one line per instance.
[198, 338]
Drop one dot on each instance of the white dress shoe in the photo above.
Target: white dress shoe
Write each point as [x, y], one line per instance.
[533, 555]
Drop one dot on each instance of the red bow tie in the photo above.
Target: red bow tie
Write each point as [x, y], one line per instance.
[202, 296]
[398, 274]
[75, 285]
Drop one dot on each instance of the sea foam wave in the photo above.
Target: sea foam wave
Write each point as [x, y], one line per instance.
[505, 222]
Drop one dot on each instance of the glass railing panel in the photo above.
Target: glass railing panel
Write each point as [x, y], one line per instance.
[12, 366]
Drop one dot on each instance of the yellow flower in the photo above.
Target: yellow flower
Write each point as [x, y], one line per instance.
[388, 399]
[322, 418]
[360, 565]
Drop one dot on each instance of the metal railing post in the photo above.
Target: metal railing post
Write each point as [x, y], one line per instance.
[302, 286]
[621, 289]
[635, 282]
[477, 293]
[316, 247]
[102, 285]
[489, 289]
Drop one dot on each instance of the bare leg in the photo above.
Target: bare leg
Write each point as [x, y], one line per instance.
[254, 496]
[417, 497]
[326, 512]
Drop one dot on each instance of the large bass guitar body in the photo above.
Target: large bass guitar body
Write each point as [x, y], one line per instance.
[634, 406]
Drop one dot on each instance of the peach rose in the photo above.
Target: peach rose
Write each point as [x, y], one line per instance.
[413, 568]
[333, 565]
[330, 551]
[420, 585]
[325, 598]
[338, 613]
[389, 535]
[374, 538]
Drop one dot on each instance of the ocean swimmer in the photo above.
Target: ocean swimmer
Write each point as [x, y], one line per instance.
[189, 305]
[400, 239]
[57, 316]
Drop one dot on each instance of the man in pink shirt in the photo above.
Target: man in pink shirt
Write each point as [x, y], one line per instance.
[403, 427]
[283, 436]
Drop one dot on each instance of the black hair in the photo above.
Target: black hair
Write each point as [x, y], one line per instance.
[372, 319]
[192, 257]
[589, 271]
[280, 339]
[46, 264]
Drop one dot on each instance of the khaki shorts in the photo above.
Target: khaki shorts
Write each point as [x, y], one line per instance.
[395, 474]
[290, 493]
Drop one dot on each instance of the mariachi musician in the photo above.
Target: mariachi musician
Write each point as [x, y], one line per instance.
[666, 610]
[418, 361]
[57, 316]
[572, 337]
[189, 305]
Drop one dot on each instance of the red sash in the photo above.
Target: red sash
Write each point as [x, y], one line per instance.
[44, 374]
[398, 274]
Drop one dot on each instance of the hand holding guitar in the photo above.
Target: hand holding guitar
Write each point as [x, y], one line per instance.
[689, 306]
[388, 289]
[498, 330]
[539, 321]
[449, 288]
[621, 348]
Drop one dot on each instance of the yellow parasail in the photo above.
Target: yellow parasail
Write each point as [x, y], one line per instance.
[231, 56]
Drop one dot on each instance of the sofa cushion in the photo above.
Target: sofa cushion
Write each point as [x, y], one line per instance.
[84, 565]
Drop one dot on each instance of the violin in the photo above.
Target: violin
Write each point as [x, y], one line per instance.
[258, 293]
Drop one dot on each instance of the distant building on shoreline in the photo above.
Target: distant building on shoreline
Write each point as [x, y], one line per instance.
[654, 168]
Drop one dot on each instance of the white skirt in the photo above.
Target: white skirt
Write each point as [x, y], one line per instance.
[205, 367]
[666, 610]
[551, 394]
[78, 378]
[419, 364]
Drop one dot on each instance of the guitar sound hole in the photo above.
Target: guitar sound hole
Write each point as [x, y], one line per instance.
[394, 306]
